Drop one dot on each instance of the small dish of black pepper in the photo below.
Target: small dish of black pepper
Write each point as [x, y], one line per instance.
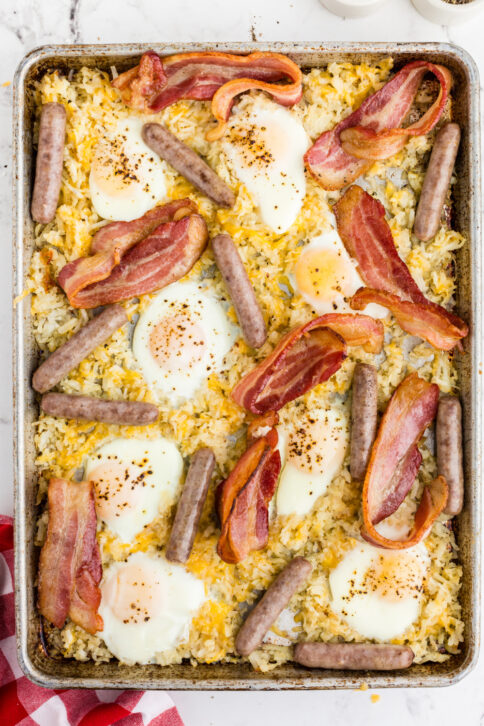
[449, 12]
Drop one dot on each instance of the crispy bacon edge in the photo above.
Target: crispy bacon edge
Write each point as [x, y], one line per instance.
[141, 85]
[410, 411]
[156, 83]
[427, 320]
[113, 245]
[356, 330]
[369, 129]
[306, 356]
[243, 498]
[400, 484]
[70, 562]
[432, 504]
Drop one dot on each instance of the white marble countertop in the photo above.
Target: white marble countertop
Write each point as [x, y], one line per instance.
[25, 24]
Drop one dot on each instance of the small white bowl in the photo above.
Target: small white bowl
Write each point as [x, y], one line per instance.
[443, 13]
[352, 8]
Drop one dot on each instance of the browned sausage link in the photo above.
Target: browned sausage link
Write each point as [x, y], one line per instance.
[48, 168]
[363, 418]
[448, 433]
[86, 408]
[71, 353]
[273, 602]
[436, 182]
[353, 656]
[190, 505]
[240, 289]
[187, 163]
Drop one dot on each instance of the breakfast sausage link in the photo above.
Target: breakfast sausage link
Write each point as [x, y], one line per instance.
[187, 163]
[87, 408]
[353, 656]
[190, 505]
[436, 182]
[240, 289]
[48, 168]
[448, 432]
[271, 605]
[363, 418]
[71, 353]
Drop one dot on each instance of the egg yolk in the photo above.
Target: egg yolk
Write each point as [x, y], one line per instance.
[114, 170]
[322, 273]
[258, 146]
[177, 343]
[393, 579]
[117, 487]
[134, 594]
[314, 446]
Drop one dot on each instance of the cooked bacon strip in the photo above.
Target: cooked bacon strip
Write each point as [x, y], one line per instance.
[367, 143]
[164, 256]
[371, 132]
[394, 460]
[243, 499]
[306, 356]
[157, 83]
[368, 239]
[111, 242]
[228, 489]
[70, 562]
[302, 359]
[427, 320]
[411, 409]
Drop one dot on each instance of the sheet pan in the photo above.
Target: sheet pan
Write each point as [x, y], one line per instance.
[52, 673]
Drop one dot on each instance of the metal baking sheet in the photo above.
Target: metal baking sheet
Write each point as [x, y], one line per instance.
[54, 673]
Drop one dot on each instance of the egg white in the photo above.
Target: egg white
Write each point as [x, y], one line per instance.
[192, 336]
[284, 630]
[313, 449]
[379, 592]
[134, 480]
[147, 605]
[264, 147]
[127, 178]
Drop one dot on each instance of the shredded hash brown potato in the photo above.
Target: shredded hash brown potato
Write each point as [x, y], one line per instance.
[212, 418]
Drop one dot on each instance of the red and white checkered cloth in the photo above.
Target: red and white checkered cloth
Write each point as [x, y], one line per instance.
[23, 703]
